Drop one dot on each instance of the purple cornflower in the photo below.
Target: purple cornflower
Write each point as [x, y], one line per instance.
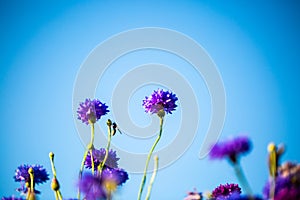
[98, 156]
[40, 174]
[91, 110]
[231, 148]
[225, 191]
[92, 187]
[160, 100]
[95, 187]
[116, 175]
[285, 189]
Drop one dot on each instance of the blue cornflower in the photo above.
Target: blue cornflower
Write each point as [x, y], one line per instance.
[225, 191]
[231, 148]
[160, 100]
[98, 156]
[40, 174]
[91, 111]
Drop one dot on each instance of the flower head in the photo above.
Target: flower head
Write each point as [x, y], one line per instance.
[98, 157]
[285, 189]
[225, 191]
[40, 174]
[160, 100]
[231, 148]
[91, 186]
[116, 175]
[98, 187]
[91, 110]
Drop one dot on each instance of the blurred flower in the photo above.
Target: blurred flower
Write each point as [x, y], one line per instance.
[40, 174]
[160, 100]
[231, 148]
[238, 196]
[193, 195]
[224, 191]
[12, 198]
[95, 187]
[98, 156]
[291, 170]
[91, 110]
[117, 175]
[285, 189]
[91, 186]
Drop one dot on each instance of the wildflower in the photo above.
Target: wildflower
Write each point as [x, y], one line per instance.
[285, 189]
[91, 110]
[225, 191]
[40, 174]
[91, 186]
[160, 100]
[231, 148]
[98, 187]
[117, 175]
[98, 157]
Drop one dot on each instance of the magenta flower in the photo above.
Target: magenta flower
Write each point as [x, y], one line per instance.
[98, 156]
[91, 111]
[225, 191]
[160, 100]
[231, 148]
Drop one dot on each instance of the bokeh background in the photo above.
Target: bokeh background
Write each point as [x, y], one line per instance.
[255, 45]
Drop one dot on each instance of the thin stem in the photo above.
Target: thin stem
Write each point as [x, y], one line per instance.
[92, 161]
[59, 195]
[100, 168]
[148, 159]
[56, 195]
[89, 148]
[81, 170]
[242, 178]
[152, 177]
[272, 188]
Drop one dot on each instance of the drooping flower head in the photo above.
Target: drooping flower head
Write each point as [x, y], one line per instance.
[160, 100]
[98, 157]
[225, 191]
[231, 148]
[91, 111]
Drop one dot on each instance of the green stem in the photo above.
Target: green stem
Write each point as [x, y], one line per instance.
[81, 170]
[152, 177]
[100, 167]
[56, 195]
[242, 178]
[148, 159]
[89, 148]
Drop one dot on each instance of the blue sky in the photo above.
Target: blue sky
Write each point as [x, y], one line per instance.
[254, 44]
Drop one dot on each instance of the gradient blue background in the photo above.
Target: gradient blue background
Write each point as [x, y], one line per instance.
[43, 43]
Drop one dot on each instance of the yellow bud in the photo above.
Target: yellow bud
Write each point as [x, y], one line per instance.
[55, 184]
[271, 147]
[51, 155]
